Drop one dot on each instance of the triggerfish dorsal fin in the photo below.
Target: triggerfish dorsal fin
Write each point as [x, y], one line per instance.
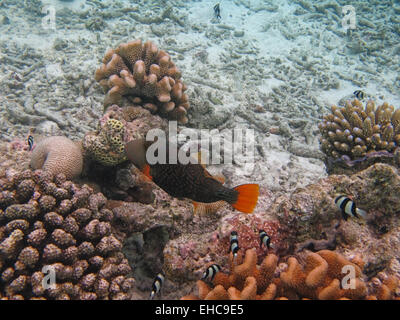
[247, 197]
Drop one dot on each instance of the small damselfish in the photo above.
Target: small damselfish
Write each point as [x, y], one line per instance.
[211, 272]
[359, 94]
[265, 239]
[349, 208]
[30, 143]
[217, 11]
[234, 248]
[157, 285]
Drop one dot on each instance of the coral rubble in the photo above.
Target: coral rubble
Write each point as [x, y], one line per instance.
[147, 76]
[49, 225]
[354, 136]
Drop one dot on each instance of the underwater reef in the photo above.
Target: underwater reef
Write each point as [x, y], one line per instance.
[116, 127]
[108, 231]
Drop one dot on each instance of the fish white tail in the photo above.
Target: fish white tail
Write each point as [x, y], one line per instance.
[362, 213]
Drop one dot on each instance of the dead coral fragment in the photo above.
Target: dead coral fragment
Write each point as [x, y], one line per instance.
[147, 76]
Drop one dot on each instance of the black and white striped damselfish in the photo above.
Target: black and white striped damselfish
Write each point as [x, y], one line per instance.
[30, 142]
[157, 285]
[265, 239]
[359, 94]
[349, 208]
[211, 272]
[234, 242]
[217, 11]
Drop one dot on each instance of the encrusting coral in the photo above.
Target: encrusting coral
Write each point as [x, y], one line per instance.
[147, 76]
[355, 134]
[311, 275]
[117, 127]
[49, 223]
[107, 145]
[58, 154]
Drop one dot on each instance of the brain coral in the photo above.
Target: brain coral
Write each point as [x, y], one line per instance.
[147, 76]
[356, 133]
[58, 155]
[52, 224]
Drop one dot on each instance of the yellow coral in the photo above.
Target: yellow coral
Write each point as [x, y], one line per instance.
[107, 145]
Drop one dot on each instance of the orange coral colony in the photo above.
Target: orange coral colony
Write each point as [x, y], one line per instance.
[324, 275]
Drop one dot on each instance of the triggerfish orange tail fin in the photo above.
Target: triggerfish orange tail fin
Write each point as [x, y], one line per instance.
[247, 197]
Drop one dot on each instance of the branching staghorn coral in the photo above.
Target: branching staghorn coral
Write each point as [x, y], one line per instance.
[147, 76]
[354, 132]
[49, 223]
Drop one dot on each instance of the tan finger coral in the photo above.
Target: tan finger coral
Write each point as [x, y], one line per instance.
[355, 132]
[58, 155]
[322, 277]
[147, 76]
